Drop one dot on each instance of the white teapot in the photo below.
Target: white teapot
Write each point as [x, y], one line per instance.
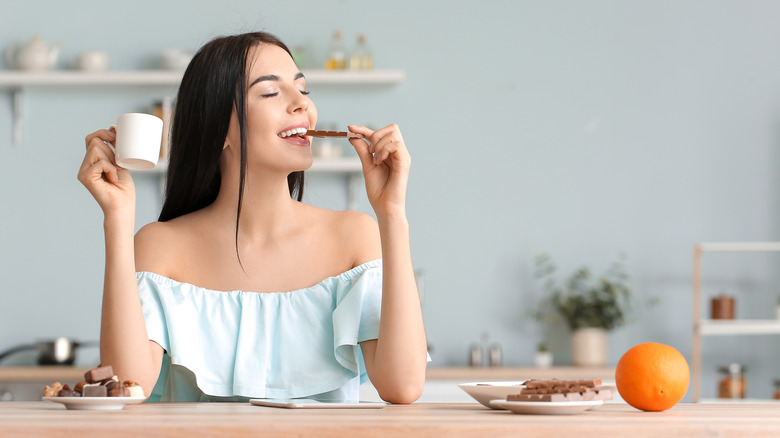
[35, 55]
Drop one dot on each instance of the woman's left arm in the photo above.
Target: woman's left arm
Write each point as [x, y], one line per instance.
[396, 361]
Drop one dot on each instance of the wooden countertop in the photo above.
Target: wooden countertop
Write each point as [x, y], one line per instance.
[464, 374]
[44, 419]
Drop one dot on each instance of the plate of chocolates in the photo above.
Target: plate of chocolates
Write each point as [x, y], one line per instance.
[556, 397]
[101, 390]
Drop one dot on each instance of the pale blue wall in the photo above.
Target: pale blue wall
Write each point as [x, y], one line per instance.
[580, 128]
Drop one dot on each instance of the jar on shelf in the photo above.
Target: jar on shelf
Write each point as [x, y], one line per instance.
[777, 389]
[337, 58]
[732, 381]
[722, 307]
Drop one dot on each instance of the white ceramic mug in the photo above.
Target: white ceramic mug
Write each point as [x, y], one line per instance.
[138, 139]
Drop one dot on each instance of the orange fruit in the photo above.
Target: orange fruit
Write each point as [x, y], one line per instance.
[652, 377]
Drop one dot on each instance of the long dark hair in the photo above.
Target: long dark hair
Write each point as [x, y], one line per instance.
[214, 83]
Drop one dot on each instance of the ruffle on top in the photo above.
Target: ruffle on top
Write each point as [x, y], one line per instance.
[266, 345]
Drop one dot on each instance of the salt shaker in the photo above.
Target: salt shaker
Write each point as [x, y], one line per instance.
[475, 356]
[494, 355]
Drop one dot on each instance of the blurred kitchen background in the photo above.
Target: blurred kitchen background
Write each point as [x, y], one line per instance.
[580, 129]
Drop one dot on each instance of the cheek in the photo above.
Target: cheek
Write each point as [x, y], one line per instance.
[312, 114]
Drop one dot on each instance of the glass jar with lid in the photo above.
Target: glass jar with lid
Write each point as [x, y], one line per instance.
[732, 381]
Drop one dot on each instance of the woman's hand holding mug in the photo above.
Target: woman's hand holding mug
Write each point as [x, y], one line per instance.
[104, 169]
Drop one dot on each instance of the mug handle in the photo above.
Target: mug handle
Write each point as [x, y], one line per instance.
[111, 146]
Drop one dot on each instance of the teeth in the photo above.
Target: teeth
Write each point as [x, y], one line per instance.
[295, 131]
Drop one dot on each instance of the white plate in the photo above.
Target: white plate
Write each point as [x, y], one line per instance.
[484, 392]
[547, 408]
[96, 403]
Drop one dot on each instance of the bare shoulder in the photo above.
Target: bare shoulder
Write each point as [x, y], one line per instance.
[360, 232]
[356, 232]
[153, 246]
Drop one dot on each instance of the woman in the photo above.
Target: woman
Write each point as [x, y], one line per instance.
[245, 291]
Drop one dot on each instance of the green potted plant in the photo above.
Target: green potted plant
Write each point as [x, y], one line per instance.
[590, 306]
[543, 357]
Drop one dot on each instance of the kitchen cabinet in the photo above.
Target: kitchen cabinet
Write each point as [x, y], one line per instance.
[18, 81]
[737, 327]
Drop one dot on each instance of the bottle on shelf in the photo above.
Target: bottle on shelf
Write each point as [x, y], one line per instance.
[361, 58]
[732, 383]
[337, 58]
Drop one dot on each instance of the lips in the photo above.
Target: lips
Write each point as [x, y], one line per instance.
[295, 134]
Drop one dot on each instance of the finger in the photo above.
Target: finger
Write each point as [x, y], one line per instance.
[100, 150]
[362, 146]
[102, 134]
[384, 150]
[389, 130]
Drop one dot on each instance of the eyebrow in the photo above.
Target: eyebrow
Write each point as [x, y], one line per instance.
[273, 78]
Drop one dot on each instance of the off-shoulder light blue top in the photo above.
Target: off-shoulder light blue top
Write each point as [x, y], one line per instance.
[236, 345]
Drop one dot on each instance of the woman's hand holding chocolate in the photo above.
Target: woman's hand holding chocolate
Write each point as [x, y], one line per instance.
[386, 163]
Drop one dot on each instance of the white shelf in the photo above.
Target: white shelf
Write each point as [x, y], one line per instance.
[740, 327]
[16, 79]
[739, 246]
[320, 165]
[747, 401]
[337, 165]
[19, 79]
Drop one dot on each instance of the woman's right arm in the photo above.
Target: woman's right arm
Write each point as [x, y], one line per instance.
[124, 343]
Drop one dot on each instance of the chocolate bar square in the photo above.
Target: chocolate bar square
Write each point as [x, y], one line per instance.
[97, 374]
[95, 391]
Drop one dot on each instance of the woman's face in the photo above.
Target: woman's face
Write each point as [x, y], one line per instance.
[276, 102]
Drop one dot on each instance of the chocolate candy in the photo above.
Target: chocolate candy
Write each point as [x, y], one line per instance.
[96, 375]
[100, 382]
[313, 133]
[118, 390]
[134, 389]
[555, 383]
[67, 392]
[80, 387]
[555, 390]
[95, 391]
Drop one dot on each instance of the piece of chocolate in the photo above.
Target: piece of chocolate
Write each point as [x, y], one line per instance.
[133, 389]
[67, 392]
[80, 387]
[562, 390]
[95, 391]
[556, 383]
[100, 373]
[312, 133]
[559, 397]
[118, 390]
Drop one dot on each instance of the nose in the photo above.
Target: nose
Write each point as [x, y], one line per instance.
[299, 104]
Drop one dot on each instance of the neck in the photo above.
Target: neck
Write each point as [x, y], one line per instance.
[266, 205]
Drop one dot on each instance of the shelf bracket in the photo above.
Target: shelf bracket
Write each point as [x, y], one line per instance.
[18, 99]
[354, 188]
